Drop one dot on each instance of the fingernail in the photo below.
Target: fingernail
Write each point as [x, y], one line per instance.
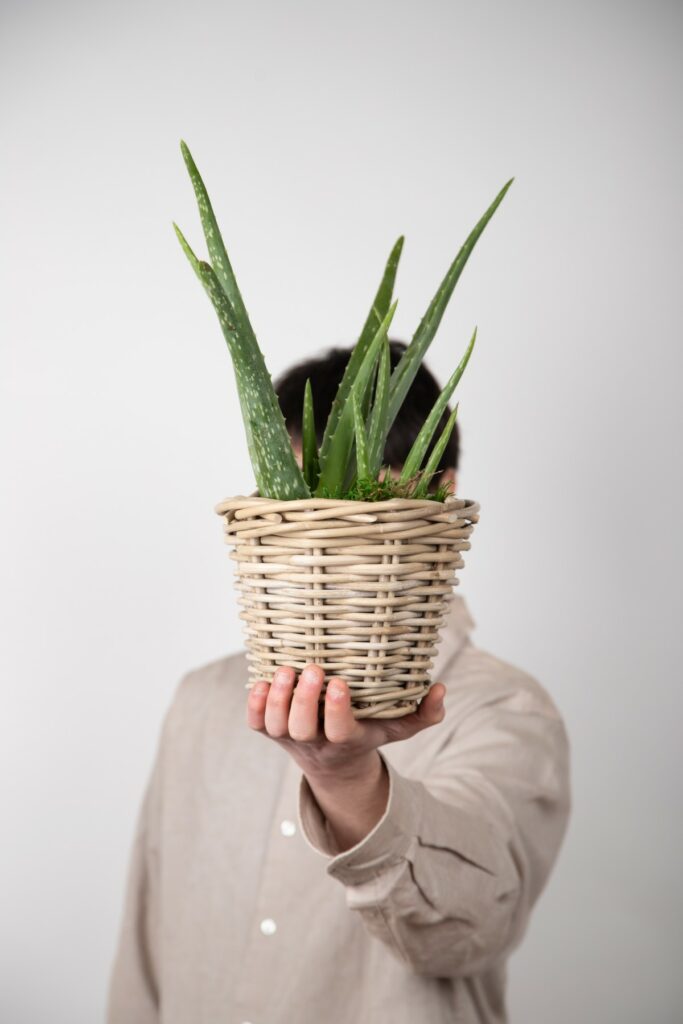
[261, 689]
[336, 691]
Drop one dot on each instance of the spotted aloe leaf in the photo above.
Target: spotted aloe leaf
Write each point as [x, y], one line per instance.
[362, 464]
[378, 311]
[434, 459]
[334, 465]
[309, 441]
[275, 467]
[419, 449]
[214, 242]
[405, 371]
[380, 411]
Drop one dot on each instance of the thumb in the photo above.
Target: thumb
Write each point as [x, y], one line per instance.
[431, 709]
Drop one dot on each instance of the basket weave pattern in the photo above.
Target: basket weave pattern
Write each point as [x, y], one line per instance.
[359, 588]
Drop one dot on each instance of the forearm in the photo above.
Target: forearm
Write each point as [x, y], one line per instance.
[352, 802]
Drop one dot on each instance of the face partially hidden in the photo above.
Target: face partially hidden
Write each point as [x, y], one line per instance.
[446, 476]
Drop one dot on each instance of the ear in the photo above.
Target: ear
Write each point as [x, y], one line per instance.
[297, 449]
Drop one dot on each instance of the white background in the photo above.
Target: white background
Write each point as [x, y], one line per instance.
[323, 132]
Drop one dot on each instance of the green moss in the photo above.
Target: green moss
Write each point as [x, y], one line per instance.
[369, 489]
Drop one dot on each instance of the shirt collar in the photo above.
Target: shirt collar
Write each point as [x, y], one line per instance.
[453, 634]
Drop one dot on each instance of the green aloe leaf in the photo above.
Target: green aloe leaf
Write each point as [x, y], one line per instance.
[275, 467]
[405, 371]
[361, 439]
[309, 442]
[334, 465]
[435, 458]
[214, 242]
[378, 311]
[421, 444]
[377, 429]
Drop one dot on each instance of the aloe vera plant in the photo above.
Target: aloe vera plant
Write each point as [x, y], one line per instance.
[369, 396]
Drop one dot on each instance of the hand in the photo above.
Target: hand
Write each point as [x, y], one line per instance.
[341, 745]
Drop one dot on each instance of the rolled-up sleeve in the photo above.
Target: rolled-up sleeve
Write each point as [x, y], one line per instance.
[448, 876]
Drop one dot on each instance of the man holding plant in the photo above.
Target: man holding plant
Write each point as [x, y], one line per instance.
[351, 869]
[344, 871]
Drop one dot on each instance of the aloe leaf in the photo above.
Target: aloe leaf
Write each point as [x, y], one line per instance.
[366, 404]
[421, 444]
[334, 465]
[361, 439]
[378, 311]
[214, 241]
[435, 458]
[275, 467]
[194, 262]
[309, 442]
[380, 411]
[405, 371]
[364, 408]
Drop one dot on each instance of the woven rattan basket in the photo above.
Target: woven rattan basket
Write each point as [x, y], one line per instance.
[359, 588]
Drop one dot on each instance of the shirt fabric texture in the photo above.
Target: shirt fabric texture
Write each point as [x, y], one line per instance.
[240, 909]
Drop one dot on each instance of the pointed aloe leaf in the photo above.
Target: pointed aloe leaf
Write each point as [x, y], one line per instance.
[378, 311]
[217, 253]
[309, 442]
[405, 371]
[435, 458]
[361, 439]
[364, 409]
[334, 465]
[417, 453]
[194, 262]
[380, 411]
[367, 400]
[277, 472]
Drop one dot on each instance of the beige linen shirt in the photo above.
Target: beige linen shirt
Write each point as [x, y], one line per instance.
[239, 909]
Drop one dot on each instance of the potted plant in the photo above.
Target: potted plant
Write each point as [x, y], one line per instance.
[337, 562]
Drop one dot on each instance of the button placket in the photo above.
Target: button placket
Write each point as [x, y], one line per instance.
[281, 873]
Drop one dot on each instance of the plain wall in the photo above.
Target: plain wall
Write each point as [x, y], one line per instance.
[323, 132]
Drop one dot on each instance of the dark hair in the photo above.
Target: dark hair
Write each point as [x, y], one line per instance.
[325, 372]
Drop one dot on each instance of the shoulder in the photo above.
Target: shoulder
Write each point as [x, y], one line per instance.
[479, 678]
[503, 717]
[207, 689]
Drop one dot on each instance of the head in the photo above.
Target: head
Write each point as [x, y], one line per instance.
[325, 372]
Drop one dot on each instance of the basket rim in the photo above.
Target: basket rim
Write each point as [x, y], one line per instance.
[254, 500]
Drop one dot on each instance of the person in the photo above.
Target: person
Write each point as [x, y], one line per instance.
[291, 871]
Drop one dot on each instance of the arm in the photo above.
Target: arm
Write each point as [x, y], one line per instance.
[446, 878]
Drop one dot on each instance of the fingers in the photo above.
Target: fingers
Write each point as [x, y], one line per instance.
[277, 706]
[340, 724]
[256, 705]
[303, 715]
[431, 710]
[287, 708]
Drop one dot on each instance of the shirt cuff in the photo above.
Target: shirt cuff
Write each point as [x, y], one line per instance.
[388, 843]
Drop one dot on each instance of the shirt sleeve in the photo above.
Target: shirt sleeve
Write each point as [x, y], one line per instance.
[133, 996]
[448, 876]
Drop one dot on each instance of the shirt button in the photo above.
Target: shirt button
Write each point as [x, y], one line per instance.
[268, 926]
[288, 828]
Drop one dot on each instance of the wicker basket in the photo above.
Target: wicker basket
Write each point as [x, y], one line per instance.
[359, 588]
